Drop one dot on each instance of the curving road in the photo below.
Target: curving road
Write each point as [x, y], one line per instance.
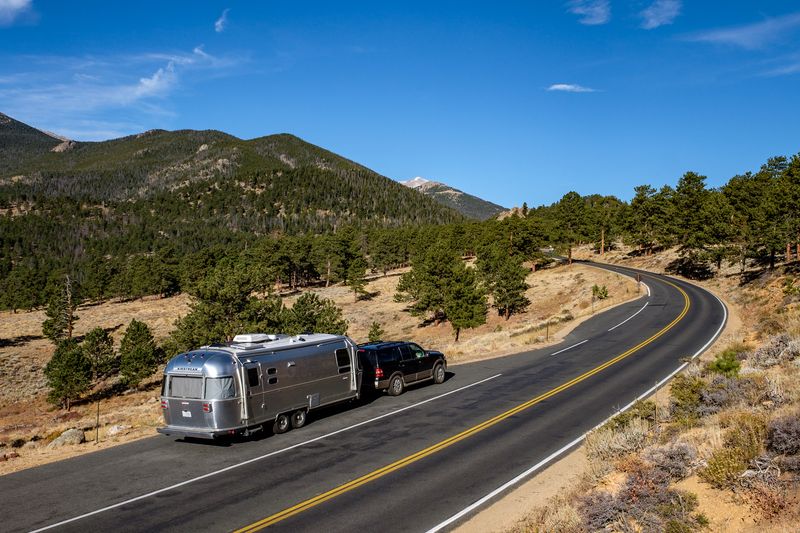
[423, 461]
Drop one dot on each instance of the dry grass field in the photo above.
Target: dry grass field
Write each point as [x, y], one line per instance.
[560, 295]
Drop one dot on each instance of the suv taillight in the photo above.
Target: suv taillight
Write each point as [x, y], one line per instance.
[164, 404]
[206, 407]
[378, 373]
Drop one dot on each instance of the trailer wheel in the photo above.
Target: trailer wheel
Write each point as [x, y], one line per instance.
[396, 385]
[438, 374]
[282, 424]
[299, 418]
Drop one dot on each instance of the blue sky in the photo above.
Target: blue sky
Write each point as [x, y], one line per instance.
[511, 101]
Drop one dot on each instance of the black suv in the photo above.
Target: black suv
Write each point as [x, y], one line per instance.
[393, 365]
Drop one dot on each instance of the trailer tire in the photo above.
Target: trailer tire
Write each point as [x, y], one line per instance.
[282, 424]
[438, 373]
[396, 385]
[299, 418]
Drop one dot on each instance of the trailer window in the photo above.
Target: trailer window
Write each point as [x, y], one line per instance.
[252, 377]
[220, 388]
[343, 360]
[186, 387]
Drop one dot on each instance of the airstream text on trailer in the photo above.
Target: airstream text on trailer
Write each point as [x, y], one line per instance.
[255, 381]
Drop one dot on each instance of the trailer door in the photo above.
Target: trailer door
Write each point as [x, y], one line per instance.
[347, 376]
[254, 391]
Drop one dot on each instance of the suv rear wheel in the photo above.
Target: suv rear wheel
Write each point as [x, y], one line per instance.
[396, 385]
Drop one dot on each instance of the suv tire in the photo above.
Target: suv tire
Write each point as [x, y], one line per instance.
[396, 385]
[438, 373]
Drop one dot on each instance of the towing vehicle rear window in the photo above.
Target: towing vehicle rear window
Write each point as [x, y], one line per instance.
[186, 387]
[220, 388]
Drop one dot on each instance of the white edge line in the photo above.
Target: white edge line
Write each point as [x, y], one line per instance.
[259, 458]
[504, 486]
[630, 317]
[570, 347]
[558, 452]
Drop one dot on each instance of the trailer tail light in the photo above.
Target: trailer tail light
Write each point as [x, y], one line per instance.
[164, 404]
[378, 373]
[206, 407]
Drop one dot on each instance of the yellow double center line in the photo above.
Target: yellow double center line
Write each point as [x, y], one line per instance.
[316, 500]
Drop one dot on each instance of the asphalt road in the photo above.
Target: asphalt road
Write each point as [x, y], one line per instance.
[431, 453]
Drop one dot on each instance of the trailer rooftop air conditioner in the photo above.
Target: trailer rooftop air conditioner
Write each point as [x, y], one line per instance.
[250, 338]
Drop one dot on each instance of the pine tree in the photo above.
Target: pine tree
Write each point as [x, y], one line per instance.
[510, 286]
[691, 220]
[425, 286]
[312, 314]
[572, 224]
[68, 373]
[60, 313]
[376, 332]
[139, 356]
[99, 348]
[465, 303]
[355, 276]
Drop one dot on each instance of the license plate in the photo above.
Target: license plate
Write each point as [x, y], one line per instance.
[186, 414]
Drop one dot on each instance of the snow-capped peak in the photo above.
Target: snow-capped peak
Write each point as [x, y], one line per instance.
[416, 182]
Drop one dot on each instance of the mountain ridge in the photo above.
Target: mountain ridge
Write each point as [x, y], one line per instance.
[159, 161]
[469, 205]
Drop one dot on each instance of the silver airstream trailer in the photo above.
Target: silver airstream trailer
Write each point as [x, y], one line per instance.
[256, 381]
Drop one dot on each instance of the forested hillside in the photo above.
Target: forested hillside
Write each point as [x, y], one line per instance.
[156, 212]
[128, 209]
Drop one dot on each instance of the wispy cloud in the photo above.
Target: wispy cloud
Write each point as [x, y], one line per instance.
[570, 88]
[751, 36]
[222, 21]
[591, 12]
[660, 13]
[60, 94]
[10, 10]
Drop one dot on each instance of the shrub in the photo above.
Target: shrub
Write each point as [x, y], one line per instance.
[783, 435]
[607, 444]
[727, 363]
[685, 395]
[720, 393]
[598, 509]
[675, 459]
[742, 444]
[723, 392]
[746, 433]
[769, 499]
[723, 468]
[654, 506]
[642, 409]
[778, 349]
[790, 463]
